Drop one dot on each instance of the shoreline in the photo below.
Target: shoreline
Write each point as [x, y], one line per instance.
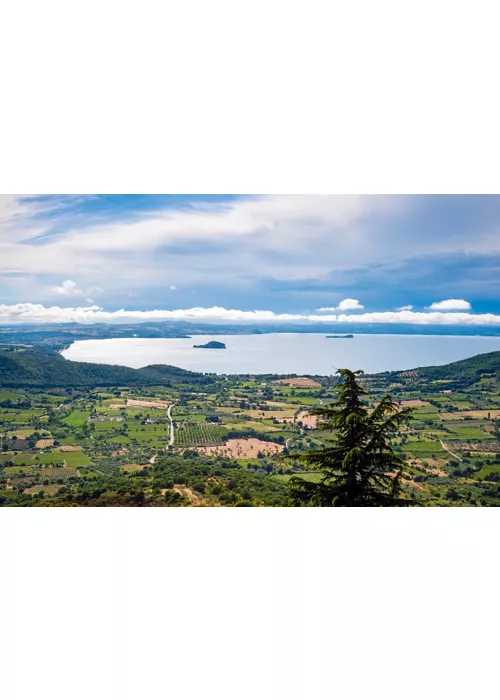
[286, 354]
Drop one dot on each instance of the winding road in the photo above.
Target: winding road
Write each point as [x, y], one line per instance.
[171, 442]
[169, 414]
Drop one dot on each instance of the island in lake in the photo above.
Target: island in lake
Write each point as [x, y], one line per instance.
[340, 336]
[212, 345]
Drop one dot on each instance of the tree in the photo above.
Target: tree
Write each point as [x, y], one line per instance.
[359, 467]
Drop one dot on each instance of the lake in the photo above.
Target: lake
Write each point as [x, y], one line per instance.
[284, 353]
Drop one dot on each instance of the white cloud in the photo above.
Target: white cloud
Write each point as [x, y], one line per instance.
[233, 244]
[345, 305]
[405, 308]
[37, 313]
[68, 288]
[451, 305]
[173, 287]
[269, 232]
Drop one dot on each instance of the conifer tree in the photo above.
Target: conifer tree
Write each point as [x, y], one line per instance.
[359, 467]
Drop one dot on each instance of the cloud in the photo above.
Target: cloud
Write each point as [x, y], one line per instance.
[345, 305]
[405, 308]
[257, 232]
[69, 288]
[38, 313]
[173, 287]
[253, 249]
[451, 305]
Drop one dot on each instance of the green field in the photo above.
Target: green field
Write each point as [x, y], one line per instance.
[21, 416]
[9, 396]
[427, 447]
[77, 419]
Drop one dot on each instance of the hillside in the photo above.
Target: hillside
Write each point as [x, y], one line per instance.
[33, 368]
[461, 373]
[470, 369]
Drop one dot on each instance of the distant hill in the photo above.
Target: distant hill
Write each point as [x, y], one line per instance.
[461, 373]
[34, 368]
[470, 369]
[37, 368]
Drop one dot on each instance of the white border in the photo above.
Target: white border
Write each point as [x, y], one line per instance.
[271, 97]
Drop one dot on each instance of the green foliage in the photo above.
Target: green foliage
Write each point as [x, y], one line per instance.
[125, 459]
[465, 372]
[35, 368]
[355, 468]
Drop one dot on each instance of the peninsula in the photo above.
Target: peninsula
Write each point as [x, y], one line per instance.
[340, 336]
[212, 345]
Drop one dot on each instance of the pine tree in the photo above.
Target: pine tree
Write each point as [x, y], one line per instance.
[359, 467]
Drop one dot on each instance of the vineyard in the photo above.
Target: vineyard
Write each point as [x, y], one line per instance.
[58, 471]
[199, 435]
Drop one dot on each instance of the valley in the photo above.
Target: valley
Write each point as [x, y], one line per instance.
[208, 440]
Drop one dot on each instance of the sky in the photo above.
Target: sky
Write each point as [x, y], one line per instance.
[422, 259]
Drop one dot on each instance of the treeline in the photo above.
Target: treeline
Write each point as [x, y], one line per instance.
[35, 368]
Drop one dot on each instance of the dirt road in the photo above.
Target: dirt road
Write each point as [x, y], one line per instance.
[449, 451]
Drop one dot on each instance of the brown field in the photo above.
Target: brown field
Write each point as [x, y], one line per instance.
[137, 403]
[414, 402]
[42, 444]
[494, 413]
[133, 467]
[69, 448]
[284, 406]
[307, 420]
[262, 427]
[298, 381]
[51, 489]
[435, 465]
[434, 462]
[279, 415]
[243, 449]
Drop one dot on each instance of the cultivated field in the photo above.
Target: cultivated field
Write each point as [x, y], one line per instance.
[244, 449]
[299, 381]
[198, 434]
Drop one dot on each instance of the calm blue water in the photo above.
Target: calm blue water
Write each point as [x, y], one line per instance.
[285, 353]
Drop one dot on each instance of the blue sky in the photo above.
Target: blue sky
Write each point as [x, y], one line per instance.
[285, 254]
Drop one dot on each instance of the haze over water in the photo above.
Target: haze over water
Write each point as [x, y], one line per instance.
[284, 353]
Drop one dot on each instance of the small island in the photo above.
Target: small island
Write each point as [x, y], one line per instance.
[343, 337]
[212, 345]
